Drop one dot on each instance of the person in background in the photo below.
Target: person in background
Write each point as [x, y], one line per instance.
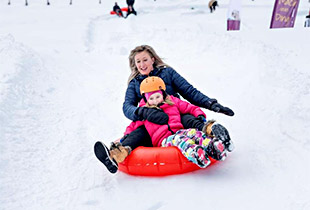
[307, 21]
[118, 10]
[131, 10]
[212, 5]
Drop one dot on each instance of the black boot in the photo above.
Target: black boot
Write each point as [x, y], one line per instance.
[221, 133]
[216, 150]
[213, 129]
[103, 154]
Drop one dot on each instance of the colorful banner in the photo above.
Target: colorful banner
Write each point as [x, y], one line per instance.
[284, 13]
[233, 15]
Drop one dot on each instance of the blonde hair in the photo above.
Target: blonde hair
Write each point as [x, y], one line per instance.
[157, 60]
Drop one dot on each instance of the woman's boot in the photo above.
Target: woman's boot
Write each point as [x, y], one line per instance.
[113, 156]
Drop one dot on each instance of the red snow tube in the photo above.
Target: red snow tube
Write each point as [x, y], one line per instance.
[157, 161]
[124, 9]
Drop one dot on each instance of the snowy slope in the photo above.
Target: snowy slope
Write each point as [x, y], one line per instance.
[63, 75]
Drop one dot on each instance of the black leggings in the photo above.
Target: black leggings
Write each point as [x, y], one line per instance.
[140, 136]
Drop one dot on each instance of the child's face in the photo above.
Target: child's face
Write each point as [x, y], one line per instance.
[155, 99]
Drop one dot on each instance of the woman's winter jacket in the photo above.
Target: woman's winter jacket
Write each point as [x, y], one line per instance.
[159, 132]
[176, 85]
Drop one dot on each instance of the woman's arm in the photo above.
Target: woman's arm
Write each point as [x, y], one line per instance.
[187, 108]
[188, 92]
[131, 102]
[195, 97]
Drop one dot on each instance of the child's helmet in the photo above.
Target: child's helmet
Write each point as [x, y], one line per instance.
[151, 84]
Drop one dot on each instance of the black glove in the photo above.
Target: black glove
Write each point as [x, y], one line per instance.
[221, 109]
[153, 115]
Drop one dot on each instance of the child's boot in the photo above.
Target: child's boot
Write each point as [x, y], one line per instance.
[202, 158]
[213, 129]
[216, 150]
[111, 158]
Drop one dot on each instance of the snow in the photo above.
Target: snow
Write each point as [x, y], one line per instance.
[63, 76]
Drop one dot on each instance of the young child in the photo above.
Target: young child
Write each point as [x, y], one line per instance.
[196, 146]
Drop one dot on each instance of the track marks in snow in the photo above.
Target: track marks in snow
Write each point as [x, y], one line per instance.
[21, 106]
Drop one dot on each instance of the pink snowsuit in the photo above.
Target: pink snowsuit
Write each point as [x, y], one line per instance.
[159, 132]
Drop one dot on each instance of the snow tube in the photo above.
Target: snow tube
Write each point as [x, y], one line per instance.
[124, 9]
[157, 161]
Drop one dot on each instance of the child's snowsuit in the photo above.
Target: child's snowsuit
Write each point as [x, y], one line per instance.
[188, 141]
[173, 134]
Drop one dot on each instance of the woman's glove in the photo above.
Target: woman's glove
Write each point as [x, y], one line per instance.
[221, 109]
[153, 115]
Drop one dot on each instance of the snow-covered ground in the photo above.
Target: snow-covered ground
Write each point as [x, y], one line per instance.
[63, 75]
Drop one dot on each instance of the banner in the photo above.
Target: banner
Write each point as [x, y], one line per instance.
[233, 15]
[284, 13]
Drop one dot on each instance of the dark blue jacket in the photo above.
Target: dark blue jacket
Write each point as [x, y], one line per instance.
[176, 85]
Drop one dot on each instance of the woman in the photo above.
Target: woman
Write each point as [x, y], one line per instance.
[144, 62]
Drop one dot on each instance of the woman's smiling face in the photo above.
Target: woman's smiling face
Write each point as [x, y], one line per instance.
[144, 63]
